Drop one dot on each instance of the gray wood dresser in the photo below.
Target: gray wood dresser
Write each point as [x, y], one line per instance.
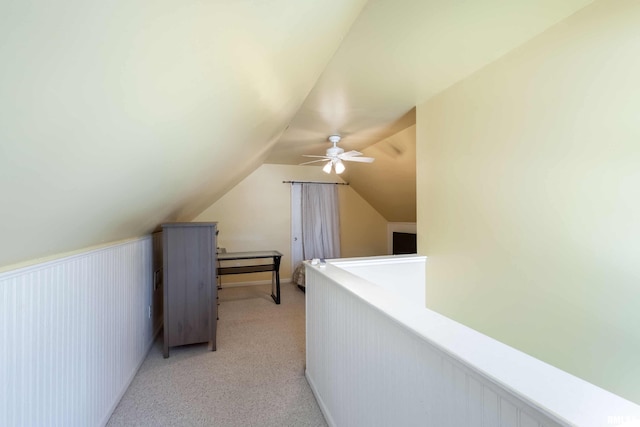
[190, 291]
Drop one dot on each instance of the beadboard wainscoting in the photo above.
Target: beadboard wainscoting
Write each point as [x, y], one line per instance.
[378, 358]
[74, 332]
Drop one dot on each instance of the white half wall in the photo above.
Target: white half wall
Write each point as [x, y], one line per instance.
[376, 357]
[74, 332]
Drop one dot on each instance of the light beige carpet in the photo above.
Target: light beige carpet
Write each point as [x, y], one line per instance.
[255, 378]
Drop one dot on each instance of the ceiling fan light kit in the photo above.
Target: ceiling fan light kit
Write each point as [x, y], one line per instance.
[335, 156]
[327, 168]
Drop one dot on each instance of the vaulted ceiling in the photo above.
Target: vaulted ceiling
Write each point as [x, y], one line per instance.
[116, 116]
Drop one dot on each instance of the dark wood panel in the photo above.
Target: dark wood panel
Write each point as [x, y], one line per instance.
[157, 287]
[246, 269]
[190, 309]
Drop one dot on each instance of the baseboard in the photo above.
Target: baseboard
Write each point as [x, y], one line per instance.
[323, 407]
[128, 384]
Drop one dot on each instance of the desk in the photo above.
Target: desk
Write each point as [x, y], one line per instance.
[273, 265]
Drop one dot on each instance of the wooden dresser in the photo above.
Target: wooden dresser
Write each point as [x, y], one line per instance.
[189, 284]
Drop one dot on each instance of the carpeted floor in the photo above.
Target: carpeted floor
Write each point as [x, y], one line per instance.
[255, 378]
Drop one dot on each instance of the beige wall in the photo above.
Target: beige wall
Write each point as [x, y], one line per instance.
[256, 215]
[529, 197]
[363, 231]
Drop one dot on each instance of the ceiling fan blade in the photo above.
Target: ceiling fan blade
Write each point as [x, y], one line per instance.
[351, 153]
[335, 155]
[359, 159]
[314, 161]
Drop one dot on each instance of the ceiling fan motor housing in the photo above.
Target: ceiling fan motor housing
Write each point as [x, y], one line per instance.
[334, 151]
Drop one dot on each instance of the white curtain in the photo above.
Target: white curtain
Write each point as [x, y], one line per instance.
[320, 221]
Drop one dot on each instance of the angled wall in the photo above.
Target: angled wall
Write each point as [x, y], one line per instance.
[529, 197]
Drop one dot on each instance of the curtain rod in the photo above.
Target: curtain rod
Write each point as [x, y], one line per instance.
[314, 182]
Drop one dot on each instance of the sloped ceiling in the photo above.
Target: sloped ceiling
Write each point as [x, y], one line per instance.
[118, 115]
[396, 56]
[400, 53]
[389, 183]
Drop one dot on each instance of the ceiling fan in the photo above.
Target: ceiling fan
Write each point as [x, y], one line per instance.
[336, 155]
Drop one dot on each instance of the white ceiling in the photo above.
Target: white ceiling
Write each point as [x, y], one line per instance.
[116, 116]
[398, 54]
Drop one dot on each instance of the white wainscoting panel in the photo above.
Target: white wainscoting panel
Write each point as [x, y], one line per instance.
[375, 359]
[74, 333]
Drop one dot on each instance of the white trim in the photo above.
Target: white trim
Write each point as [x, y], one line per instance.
[295, 196]
[126, 385]
[323, 407]
[46, 262]
[378, 260]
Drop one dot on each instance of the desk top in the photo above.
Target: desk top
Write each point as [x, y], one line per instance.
[248, 255]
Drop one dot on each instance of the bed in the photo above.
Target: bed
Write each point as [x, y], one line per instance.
[298, 276]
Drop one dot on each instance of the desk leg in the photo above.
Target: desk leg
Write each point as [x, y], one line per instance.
[276, 263]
